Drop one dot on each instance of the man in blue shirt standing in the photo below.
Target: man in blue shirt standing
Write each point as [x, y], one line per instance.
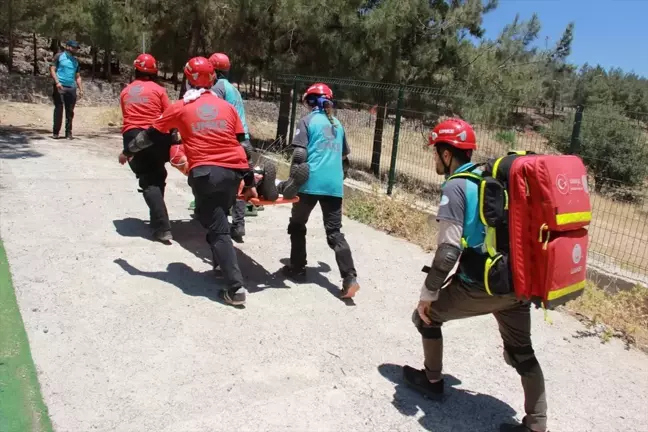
[64, 70]
[225, 90]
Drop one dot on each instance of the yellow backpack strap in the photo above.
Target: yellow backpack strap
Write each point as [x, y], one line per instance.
[475, 178]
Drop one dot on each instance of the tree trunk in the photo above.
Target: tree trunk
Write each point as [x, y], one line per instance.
[107, 68]
[174, 73]
[382, 110]
[183, 87]
[95, 53]
[54, 46]
[35, 46]
[283, 122]
[260, 86]
[11, 42]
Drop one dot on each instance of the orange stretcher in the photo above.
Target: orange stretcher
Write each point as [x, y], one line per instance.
[261, 202]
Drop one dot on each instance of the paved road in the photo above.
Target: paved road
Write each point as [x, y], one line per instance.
[128, 335]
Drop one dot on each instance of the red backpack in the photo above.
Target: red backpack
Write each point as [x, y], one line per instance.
[535, 209]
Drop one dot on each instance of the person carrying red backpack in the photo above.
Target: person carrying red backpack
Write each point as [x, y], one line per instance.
[455, 288]
[142, 102]
[217, 158]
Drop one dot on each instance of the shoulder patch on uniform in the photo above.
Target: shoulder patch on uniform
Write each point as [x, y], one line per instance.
[444, 200]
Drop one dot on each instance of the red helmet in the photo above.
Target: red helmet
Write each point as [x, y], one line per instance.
[319, 89]
[220, 62]
[146, 63]
[200, 72]
[454, 132]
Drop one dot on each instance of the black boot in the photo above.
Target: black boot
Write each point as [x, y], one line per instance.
[154, 197]
[417, 380]
[297, 274]
[267, 188]
[518, 427]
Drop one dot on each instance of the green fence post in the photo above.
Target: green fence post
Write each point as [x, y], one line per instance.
[293, 111]
[394, 154]
[574, 147]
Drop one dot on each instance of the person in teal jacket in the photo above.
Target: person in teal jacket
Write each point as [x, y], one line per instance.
[225, 90]
[320, 155]
[64, 71]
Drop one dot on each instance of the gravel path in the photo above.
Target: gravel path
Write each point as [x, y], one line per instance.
[127, 334]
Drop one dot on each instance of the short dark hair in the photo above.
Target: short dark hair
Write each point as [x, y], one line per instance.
[462, 156]
[139, 74]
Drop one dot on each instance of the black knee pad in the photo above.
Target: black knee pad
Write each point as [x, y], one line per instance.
[296, 229]
[522, 359]
[266, 187]
[427, 331]
[335, 239]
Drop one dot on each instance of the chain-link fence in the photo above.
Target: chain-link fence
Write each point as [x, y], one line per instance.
[387, 128]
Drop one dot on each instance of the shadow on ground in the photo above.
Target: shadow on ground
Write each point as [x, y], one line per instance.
[191, 282]
[461, 411]
[316, 276]
[15, 142]
[191, 236]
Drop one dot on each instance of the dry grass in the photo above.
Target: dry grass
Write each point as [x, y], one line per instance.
[395, 216]
[624, 314]
[110, 116]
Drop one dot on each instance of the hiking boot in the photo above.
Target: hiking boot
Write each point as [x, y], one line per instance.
[69, 136]
[294, 273]
[234, 296]
[55, 136]
[418, 381]
[508, 427]
[237, 234]
[350, 287]
[260, 208]
[163, 236]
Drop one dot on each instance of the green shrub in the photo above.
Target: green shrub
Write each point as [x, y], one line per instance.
[507, 137]
[612, 146]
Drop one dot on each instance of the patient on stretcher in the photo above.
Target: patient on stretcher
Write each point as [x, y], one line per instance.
[265, 178]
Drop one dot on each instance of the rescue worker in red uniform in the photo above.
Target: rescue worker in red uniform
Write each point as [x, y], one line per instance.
[217, 159]
[142, 102]
[455, 289]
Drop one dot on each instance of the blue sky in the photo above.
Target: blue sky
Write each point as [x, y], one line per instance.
[609, 32]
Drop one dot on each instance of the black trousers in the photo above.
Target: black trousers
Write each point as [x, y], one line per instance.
[238, 215]
[332, 213]
[63, 99]
[148, 166]
[215, 190]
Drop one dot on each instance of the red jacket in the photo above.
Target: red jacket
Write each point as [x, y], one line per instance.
[142, 102]
[209, 127]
